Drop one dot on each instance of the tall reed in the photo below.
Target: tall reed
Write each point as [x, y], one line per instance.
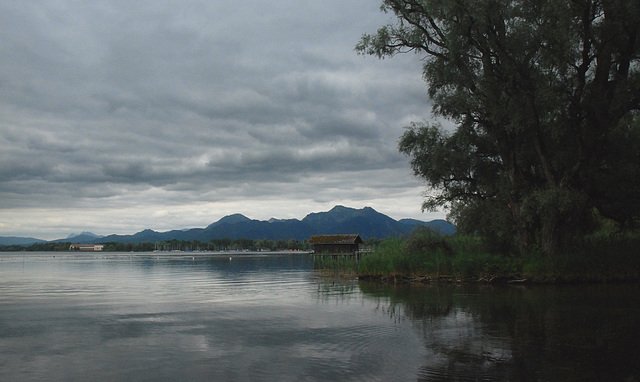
[597, 257]
[336, 265]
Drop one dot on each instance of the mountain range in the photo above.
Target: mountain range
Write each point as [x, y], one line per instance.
[366, 222]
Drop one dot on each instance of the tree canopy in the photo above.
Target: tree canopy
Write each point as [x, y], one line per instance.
[544, 95]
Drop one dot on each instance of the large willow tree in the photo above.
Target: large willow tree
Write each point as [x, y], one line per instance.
[544, 96]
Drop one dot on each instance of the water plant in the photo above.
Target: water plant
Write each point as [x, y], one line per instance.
[336, 265]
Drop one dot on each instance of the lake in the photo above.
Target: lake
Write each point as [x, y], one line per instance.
[254, 317]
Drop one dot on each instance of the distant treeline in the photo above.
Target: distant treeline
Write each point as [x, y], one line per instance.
[225, 244]
[36, 247]
[175, 245]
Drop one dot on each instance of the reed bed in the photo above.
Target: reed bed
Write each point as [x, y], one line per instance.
[429, 256]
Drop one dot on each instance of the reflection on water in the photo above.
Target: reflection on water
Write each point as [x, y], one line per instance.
[239, 317]
[193, 317]
[542, 333]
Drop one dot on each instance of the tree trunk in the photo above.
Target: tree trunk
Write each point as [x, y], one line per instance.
[523, 235]
[549, 236]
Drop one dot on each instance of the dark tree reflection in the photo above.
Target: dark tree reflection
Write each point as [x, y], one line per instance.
[472, 332]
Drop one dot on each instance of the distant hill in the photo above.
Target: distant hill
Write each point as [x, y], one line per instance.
[83, 234]
[366, 222]
[13, 240]
[231, 219]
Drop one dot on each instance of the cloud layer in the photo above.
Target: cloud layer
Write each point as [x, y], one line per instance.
[121, 115]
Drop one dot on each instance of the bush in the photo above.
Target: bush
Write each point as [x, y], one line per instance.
[601, 256]
[425, 241]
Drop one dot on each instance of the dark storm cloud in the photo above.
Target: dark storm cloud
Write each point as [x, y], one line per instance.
[139, 103]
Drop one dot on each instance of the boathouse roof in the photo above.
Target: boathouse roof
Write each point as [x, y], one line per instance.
[336, 239]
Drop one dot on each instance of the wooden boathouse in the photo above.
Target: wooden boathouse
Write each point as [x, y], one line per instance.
[336, 245]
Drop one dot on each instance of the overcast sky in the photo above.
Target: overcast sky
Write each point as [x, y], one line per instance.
[116, 116]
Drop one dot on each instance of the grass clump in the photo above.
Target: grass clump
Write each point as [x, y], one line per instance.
[384, 259]
[423, 253]
[337, 266]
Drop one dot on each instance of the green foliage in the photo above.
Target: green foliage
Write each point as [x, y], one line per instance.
[384, 259]
[426, 253]
[339, 265]
[129, 247]
[596, 257]
[423, 240]
[58, 246]
[489, 220]
[617, 191]
[602, 256]
[543, 95]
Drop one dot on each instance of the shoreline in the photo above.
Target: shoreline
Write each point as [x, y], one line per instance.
[492, 280]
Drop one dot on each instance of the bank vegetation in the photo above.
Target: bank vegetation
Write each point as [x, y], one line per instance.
[465, 258]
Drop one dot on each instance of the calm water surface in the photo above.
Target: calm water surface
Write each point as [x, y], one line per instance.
[248, 317]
